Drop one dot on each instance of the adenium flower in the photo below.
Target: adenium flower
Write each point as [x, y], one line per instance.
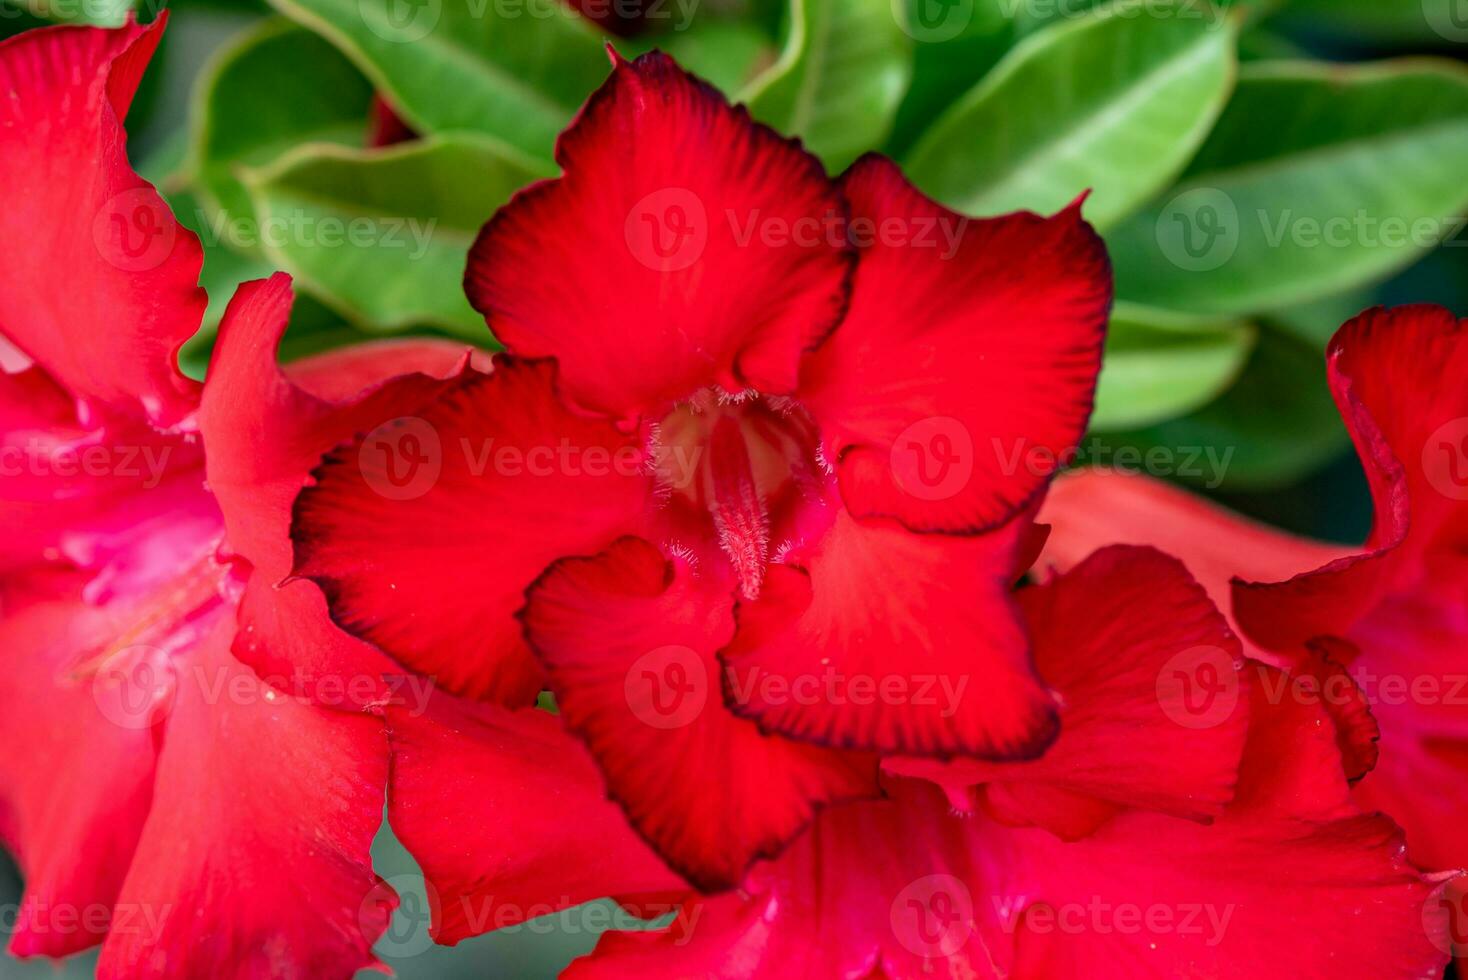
[1394, 614]
[734, 444]
[175, 784]
[1151, 840]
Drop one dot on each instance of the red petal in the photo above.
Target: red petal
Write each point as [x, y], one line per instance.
[385, 127]
[1357, 731]
[1397, 376]
[425, 533]
[1095, 508]
[109, 278]
[1154, 707]
[905, 889]
[75, 784]
[287, 637]
[255, 857]
[966, 367]
[880, 639]
[265, 428]
[651, 270]
[628, 641]
[507, 815]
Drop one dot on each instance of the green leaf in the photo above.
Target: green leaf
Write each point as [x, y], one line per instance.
[276, 87]
[1318, 178]
[957, 43]
[1388, 20]
[516, 70]
[382, 235]
[839, 79]
[724, 52]
[1116, 100]
[1274, 427]
[1160, 365]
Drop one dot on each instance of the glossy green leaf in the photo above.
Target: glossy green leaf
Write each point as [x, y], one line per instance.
[1031, 15]
[1273, 427]
[957, 42]
[516, 70]
[1317, 179]
[1160, 365]
[276, 87]
[1116, 101]
[839, 79]
[382, 235]
[1388, 20]
[727, 53]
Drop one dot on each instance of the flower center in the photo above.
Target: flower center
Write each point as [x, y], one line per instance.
[743, 479]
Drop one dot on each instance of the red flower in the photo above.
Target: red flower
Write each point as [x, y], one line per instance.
[755, 430]
[158, 792]
[1176, 836]
[1394, 615]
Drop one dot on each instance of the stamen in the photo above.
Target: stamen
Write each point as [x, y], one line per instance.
[740, 515]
